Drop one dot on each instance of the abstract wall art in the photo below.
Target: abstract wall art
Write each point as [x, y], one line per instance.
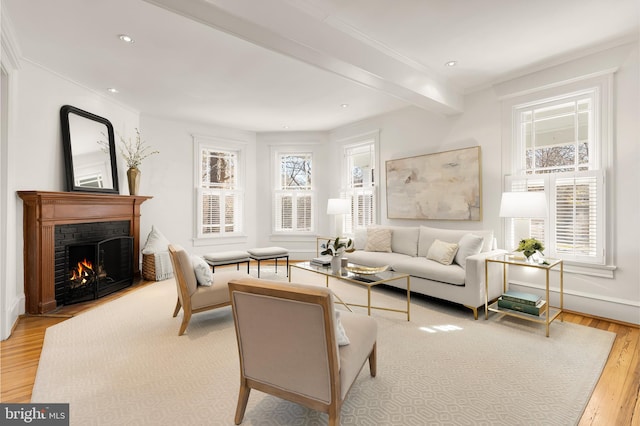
[441, 186]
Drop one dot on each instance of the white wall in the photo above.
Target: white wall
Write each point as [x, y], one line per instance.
[35, 157]
[169, 178]
[412, 131]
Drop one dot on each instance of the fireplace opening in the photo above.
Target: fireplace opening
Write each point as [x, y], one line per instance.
[96, 269]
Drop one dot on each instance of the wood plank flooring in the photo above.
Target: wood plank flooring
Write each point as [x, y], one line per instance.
[615, 400]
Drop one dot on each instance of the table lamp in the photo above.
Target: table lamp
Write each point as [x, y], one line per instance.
[522, 207]
[338, 207]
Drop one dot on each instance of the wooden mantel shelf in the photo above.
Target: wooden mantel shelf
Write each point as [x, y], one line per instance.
[43, 211]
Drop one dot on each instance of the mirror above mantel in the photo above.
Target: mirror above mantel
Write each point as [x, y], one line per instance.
[89, 151]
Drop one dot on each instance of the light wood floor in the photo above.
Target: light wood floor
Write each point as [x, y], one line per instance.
[615, 400]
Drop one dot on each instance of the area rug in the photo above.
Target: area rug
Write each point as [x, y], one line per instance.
[124, 363]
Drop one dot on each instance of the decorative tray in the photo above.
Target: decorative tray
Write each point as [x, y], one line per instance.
[366, 270]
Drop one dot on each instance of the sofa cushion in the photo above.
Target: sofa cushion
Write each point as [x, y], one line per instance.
[378, 239]
[442, 252]
[429, 235]
[404, 240]
[468, 245]
[422, 267]
[372, 258]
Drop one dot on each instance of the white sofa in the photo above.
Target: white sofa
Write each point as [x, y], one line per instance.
[461, 282]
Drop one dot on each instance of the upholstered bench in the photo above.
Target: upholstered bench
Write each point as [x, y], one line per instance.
[227, 258]
[268, 253]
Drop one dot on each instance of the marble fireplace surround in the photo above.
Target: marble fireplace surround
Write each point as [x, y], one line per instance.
[42, 211]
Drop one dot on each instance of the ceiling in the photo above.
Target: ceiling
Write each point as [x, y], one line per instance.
[294, 64]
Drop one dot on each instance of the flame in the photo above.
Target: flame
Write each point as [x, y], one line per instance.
[83, 271]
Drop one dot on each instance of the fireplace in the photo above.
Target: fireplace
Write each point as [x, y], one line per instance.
[95, 269]
[52, 217]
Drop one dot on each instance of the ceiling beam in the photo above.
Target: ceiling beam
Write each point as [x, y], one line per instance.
[283, 28]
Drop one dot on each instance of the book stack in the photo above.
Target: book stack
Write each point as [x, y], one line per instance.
[322, 260]
[522, 302]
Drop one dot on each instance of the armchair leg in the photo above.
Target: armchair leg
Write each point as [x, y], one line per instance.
[243, 398]
[334, 414]
[373, 361]
[177, 309]
[185, 322]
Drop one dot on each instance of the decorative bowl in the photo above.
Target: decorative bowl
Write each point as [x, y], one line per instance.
[366, 270]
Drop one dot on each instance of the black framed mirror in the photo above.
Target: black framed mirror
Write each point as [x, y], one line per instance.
[89, 151]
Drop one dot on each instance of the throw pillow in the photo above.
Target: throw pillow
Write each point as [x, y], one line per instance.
[201, 268]
[156, 242]
[341, 335]
[442, 252]
[468, 245]
[378, 239]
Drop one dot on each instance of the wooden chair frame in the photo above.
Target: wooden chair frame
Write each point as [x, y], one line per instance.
[184, 298]
[303, 294]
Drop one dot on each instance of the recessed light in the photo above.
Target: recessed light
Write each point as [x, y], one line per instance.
[451, 63]
[112, 90]
[285, 127]
[344, 105]
[126, 38]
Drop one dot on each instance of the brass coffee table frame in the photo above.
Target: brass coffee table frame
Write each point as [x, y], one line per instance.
[350, 277]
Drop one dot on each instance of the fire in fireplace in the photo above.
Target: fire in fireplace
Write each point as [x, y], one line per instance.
[97, 268]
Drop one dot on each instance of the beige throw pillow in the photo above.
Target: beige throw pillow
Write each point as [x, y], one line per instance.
[378, 239]
[442, 252]
[468, 245]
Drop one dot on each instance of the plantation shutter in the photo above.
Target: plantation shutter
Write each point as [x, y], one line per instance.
[577, 212]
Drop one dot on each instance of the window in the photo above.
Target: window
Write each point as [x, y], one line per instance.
[558, 149]
[220, 198]
[360, 185]
[293, 196]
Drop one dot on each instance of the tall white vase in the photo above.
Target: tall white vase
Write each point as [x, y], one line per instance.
[336, 264]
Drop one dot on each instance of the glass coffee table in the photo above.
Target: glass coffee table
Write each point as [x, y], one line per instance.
[365, 280]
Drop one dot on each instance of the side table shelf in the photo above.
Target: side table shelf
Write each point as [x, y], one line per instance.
[550, 313]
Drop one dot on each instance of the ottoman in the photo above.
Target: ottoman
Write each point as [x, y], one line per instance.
[227, 258]
[266, 253]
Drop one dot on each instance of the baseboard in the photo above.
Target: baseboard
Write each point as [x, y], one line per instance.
[612, 309]
[13, 315]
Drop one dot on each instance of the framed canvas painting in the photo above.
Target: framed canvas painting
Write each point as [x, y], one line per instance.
[441, 186]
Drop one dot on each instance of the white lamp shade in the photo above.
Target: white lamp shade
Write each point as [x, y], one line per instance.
[338, 206]
[523, 205]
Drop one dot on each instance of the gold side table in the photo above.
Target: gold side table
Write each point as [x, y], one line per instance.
[507, 260]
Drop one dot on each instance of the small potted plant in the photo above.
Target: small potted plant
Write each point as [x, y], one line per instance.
[336, 249]
[529, 247]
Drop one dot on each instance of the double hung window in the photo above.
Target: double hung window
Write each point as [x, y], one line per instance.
[360, 185]
[294, 196]
[220, 196]
[557, 150]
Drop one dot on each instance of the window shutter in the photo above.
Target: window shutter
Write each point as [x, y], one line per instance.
[577, 214]
[210, 213]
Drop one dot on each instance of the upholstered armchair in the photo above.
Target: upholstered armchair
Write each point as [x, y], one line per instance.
[287, 340]
[194, 298]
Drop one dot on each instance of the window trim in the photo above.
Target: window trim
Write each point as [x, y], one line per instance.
[603, 106]
[201, 142]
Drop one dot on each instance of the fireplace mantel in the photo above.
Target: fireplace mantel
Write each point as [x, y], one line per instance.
[43, 211]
